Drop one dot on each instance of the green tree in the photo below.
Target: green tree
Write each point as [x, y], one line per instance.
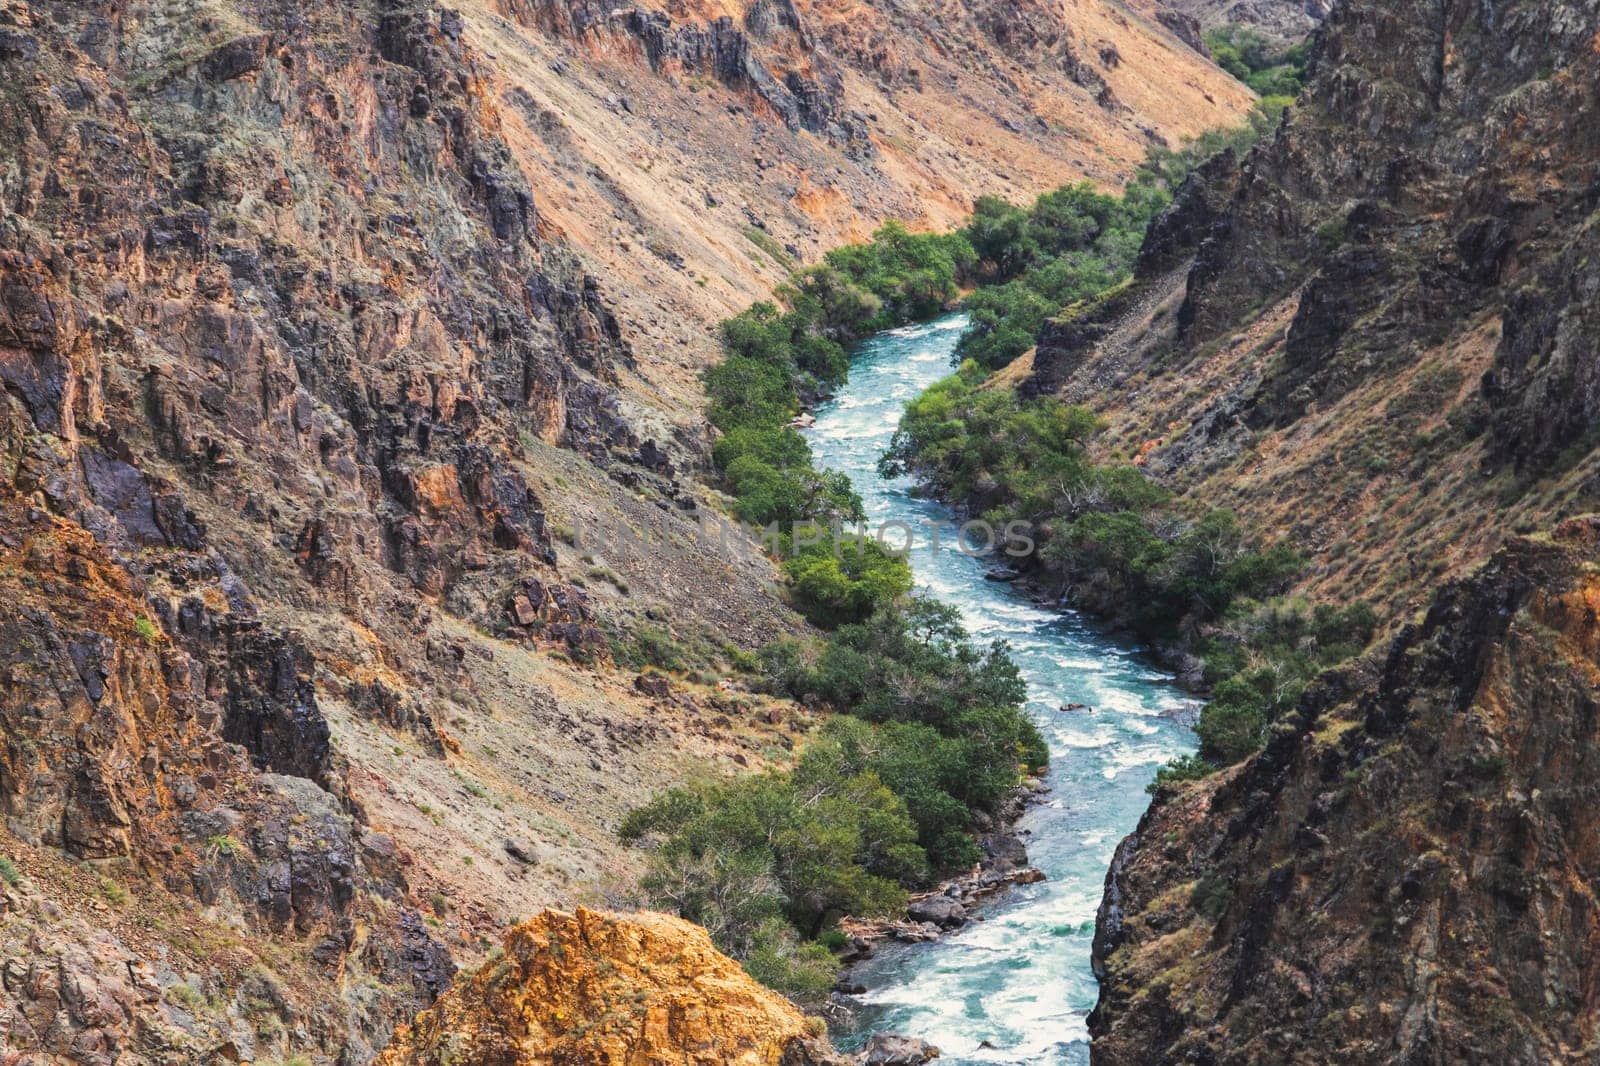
[1232, 723]
[837, 585]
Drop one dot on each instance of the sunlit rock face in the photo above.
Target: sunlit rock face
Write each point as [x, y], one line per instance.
[592, 987]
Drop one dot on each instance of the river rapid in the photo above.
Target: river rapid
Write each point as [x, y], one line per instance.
[1015, 987]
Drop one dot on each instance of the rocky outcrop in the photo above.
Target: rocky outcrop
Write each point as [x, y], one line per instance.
[203, 310]
[593, 987]
[1281, 20]
[1394, 200]
[889, 1049]
[749, 57]
[1198, 211]
[1544, 388]
[1405, 873]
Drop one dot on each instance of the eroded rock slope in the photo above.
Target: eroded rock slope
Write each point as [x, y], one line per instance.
[594, 987]
[1406, 873]
[1374, 336]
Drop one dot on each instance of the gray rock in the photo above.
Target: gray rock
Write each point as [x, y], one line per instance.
[942, 911]
[891, 1049]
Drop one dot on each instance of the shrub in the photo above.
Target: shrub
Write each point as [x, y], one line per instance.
[1211, 896]
[769, 244]
[223, 845]
[936, 718]
[186, 995]
[805, 972]
[1232, 722]
[929, 729]
[984, 447]
[9, 872]
[1271, 69]
[789, 495]
[779, 447]
[806, 844]
[836, 584]
[745, 392]
[912, 275]
[1183, 768]
[652, 646]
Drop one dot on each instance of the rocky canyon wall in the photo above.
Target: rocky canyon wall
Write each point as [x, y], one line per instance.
[1370, 336]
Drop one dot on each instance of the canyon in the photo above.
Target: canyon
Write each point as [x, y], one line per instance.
[353, 466]
[331, 338]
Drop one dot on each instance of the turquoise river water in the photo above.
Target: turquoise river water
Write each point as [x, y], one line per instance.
[1016, 987]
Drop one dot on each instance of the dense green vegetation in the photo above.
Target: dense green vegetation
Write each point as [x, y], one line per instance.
[929, 730]
[1025, 263]
[777, 359]
[834, 585]
[754, 392]
[898, 277]
[1105, 529]
[1074, 243]
[1271, 69]
[1111, 537]
[1259, 660]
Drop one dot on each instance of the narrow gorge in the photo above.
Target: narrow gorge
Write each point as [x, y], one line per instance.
[430, 438]
[1015, 985]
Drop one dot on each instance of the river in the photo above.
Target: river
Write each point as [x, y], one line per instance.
[1015, 987]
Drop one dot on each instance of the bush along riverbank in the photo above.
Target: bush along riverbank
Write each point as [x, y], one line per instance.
[1022, 265]
[1117, 546]
[1191, 583]
[928, 743]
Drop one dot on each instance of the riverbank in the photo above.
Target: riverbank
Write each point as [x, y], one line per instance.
[950, 905]
[1020, 979]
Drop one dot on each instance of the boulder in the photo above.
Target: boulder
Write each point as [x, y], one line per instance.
[942, 911]
[891, 1049]
[653, 685]
[596, 987]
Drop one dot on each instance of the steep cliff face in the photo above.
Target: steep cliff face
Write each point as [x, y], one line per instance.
[284, 357]
[672, 132]
[1284, 20]
[1443, 158]
[601, 988]
[1406, 873]
[1371, 336]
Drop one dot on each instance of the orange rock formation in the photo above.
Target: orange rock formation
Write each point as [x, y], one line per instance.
[601, 989]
